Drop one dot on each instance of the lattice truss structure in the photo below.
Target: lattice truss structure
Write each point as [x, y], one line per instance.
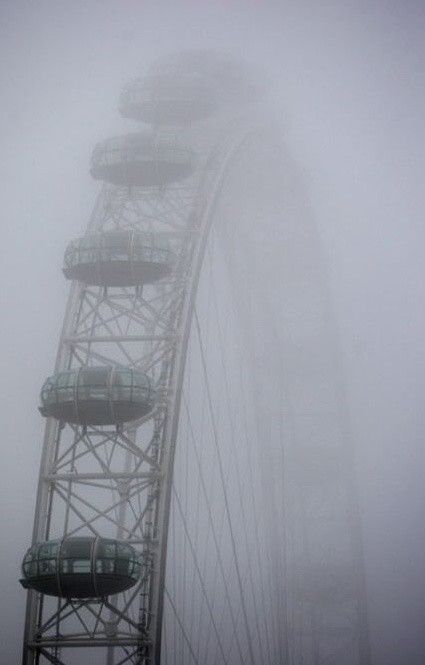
[242, 483]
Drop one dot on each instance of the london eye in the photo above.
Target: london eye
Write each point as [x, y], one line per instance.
[160, 534]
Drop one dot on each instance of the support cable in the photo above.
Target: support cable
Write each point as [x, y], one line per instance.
[213, 530]
[201, 580]
[255, 521]
[238, 478]
[222, 478]
[185, 636]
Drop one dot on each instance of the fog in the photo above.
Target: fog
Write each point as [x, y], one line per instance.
[345, 81]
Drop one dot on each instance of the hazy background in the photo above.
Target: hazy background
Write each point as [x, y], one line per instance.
[348, 78]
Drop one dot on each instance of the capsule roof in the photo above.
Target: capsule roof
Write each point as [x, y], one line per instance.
[103, 395]
[81, 567]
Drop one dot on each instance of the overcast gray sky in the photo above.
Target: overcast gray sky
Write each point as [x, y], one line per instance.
[348, 80]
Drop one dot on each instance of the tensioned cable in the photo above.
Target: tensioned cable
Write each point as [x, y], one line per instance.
[254, 508]
[215, 574]
[215, 594]
[184, 577]
[173, 542]
[219, 561]
[245, 530]
[222, 478]
[165, 629]
[185, 636]
[238, 478]
[213, 529]
[192, 610]
[197, 512]
[285, 586]
[238, 617]
[198, 570]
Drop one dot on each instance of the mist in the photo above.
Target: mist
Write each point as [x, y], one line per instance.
[345, 82]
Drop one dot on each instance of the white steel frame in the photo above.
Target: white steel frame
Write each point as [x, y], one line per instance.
[149, 329]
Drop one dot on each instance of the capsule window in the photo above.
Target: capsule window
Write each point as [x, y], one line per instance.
[65, 386]
[122, 567]
[66, 566]
[76, 549]
[122, 386]
[47, 567]
[105, 566]
[48, 550]
[118, 244]
[123, 377]
[106, 549]
[93, 383]
[64, 379]
[142, 388]
[135, 573]
[48, 393]
[87, 253]
[29, 562]
[81, 566]
[70, 566]
[29, 565]
[124, 551]
[31, 554]
[141, 381]
[94, 376]
[32, 568]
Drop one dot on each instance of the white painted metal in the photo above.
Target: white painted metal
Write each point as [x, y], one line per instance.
[145, 328]
[118, 480]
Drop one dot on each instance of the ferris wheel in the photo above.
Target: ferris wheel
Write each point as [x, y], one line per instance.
[160, 533]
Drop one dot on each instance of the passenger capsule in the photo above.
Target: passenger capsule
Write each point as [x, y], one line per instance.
[97, 395]
[189, 86]
[81, 567]
[140, 160]
[169, 98]
[118, 258]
